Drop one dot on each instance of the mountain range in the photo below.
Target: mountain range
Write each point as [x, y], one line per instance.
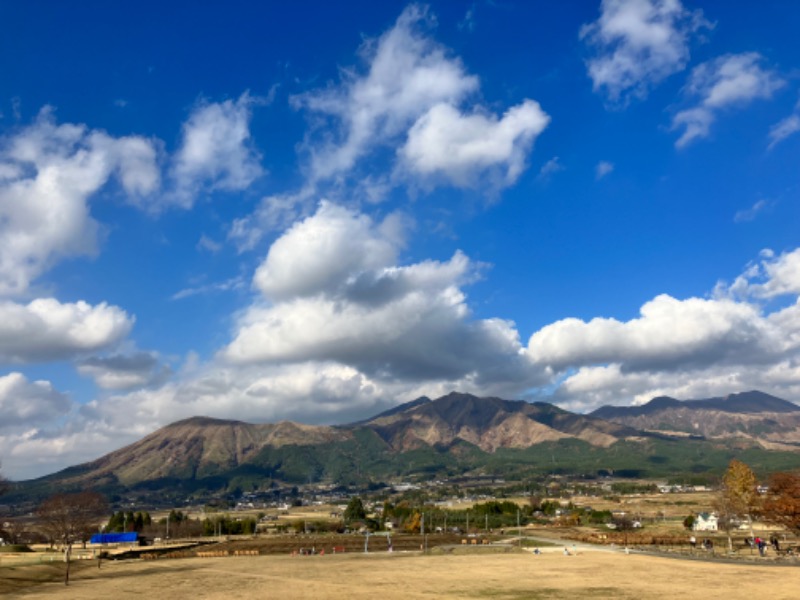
[771, 422]
[454, 435]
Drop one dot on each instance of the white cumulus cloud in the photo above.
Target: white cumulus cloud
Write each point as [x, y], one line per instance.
[406, 116]
[781, 276]
[309, 392]
[35, 452]
[216, 150]
[729, 81]
[46, 329]
[670, 334]
[415, 97]
[321, 251]
[335, 294]
[408, 73]
[463, 148]
[48, 173]
[25, 404]
[693, 348]
[124, 371]
[273, 213]
[639, 43]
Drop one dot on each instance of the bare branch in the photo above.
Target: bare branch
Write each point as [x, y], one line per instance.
[70, 518]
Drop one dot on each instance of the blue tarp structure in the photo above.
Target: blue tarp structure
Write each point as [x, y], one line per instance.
[114, 538]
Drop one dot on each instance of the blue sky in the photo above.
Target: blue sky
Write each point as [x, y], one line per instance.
[308, 211]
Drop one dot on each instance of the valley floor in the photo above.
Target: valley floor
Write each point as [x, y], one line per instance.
[589, 574]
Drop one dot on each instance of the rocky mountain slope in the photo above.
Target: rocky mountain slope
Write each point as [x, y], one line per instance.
[753, 415]
[489, 424]
[201, 446]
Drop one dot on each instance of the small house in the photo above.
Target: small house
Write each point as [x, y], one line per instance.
[706, 522]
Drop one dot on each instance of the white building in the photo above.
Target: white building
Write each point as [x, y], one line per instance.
[706, 522]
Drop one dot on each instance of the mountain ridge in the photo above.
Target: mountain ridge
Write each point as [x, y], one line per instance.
[752, 401]
[454, 434]
[751, 415]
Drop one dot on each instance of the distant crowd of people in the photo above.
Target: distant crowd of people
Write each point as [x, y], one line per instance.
[761, 544]
[707, 544]
[757, 543]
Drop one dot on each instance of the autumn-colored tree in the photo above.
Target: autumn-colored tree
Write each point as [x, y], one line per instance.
[414, 523]
[782, 503]
[71, 518]
[738, 497]
[740, 485]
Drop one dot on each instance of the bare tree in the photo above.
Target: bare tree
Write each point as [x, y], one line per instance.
[12, 530]
[624, 524]
[6, 530]
[71, 518]
[727, 516]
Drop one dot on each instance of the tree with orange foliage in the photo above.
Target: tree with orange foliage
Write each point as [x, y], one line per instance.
[782, 503]
[738, 497]
[414, 523]
[739, 484]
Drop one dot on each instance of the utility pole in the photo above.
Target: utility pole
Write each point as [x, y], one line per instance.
[424, 537]
[467, 522]
[519, 531]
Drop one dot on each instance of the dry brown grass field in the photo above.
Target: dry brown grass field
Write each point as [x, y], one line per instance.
[670, 505]
[590, 574]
